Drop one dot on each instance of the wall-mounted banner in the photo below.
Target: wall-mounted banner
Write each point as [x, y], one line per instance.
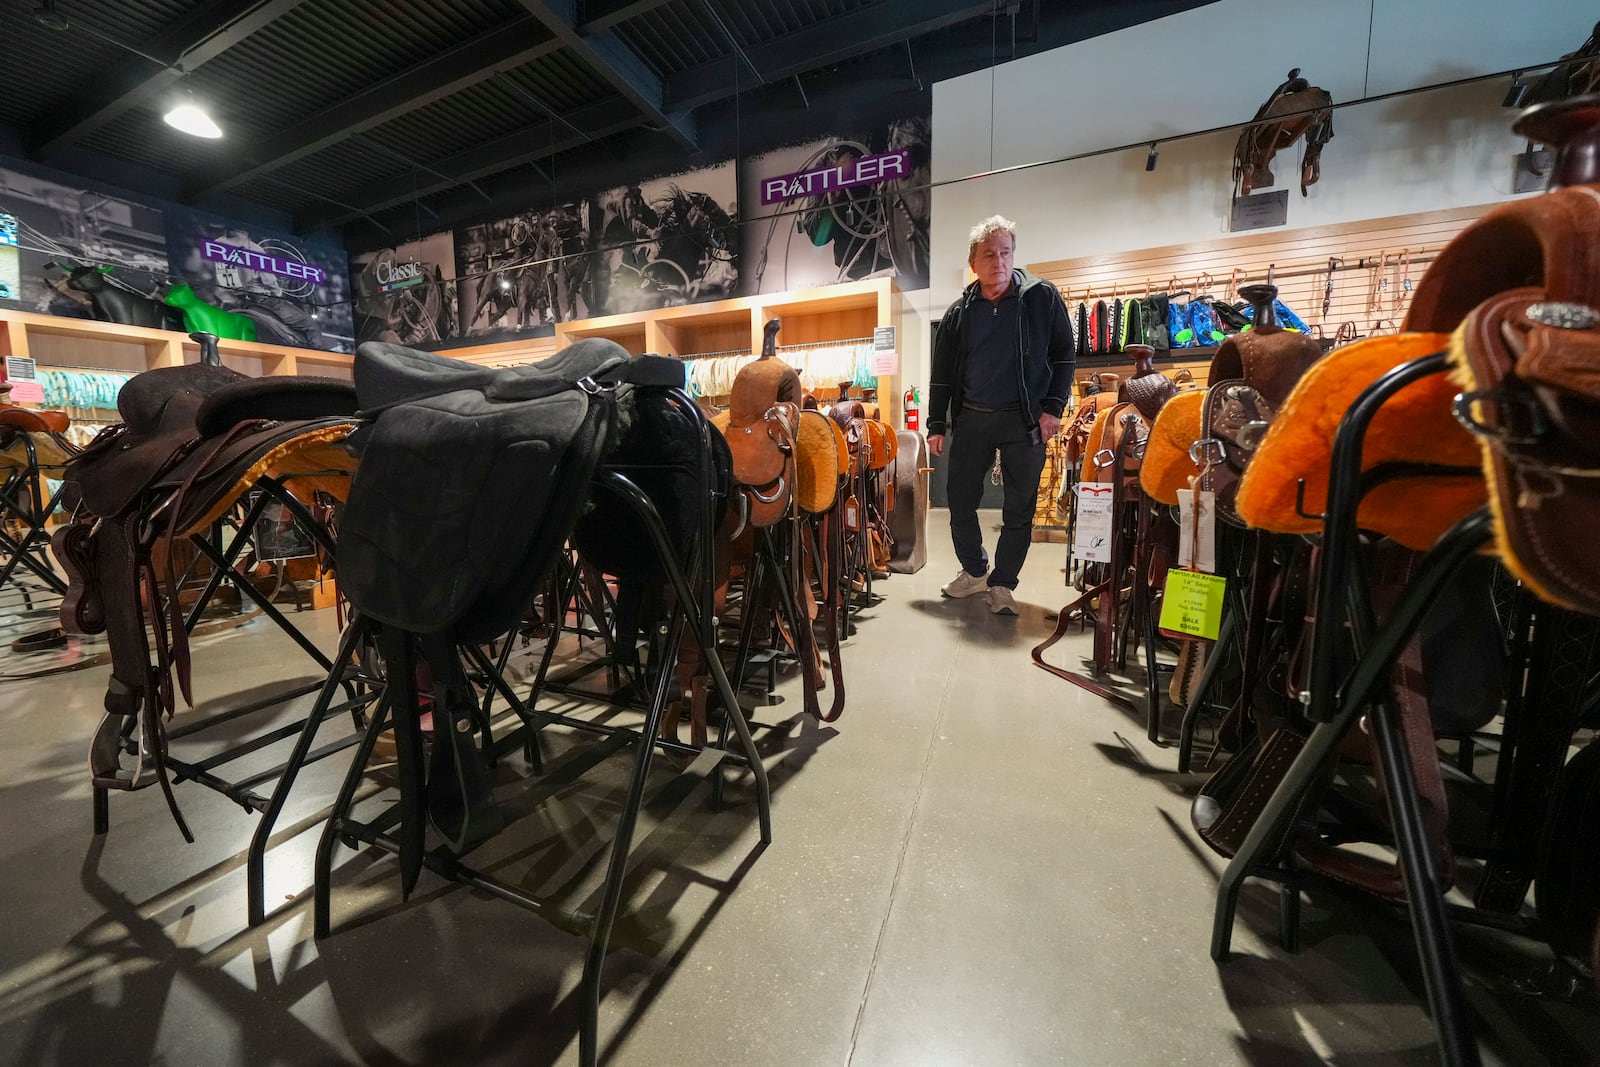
[519, 276]
[402, 295]
[56, 230]
[296, 291]
[840, 209]
[851, 172]
[670, 241]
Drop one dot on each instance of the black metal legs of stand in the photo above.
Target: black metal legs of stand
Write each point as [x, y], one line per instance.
[256, 859]
[31, 515]
[1424, 899]
[691, 613]
[1334, 708]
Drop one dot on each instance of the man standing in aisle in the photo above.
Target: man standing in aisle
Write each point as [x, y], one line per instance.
[1002, 369]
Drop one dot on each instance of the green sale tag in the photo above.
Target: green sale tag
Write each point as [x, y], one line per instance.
[1193, 603]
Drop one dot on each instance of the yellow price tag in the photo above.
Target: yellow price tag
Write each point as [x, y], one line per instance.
[1193, 603]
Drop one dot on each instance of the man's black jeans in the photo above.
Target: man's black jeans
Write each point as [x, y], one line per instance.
[971, 449]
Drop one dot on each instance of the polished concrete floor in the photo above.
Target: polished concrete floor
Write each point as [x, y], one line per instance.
[977, 864]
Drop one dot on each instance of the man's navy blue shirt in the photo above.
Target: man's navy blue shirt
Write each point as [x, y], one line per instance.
[989, 372]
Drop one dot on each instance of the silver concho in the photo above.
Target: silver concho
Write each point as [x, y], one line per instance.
[1564, 316]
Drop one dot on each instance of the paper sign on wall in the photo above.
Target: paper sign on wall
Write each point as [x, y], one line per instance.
[1091, 527]
[22, 374]
[1192, 604]
[885, 354]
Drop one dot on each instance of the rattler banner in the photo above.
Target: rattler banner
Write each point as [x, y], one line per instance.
[840, 209]
[296, 291]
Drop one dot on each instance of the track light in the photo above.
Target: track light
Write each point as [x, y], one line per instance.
[1517, 93]
[192, 119]
[1150, 160]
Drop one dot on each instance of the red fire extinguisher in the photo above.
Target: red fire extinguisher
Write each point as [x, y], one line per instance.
[913, 403]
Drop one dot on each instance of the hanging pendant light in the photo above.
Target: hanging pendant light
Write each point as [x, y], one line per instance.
[192, 119]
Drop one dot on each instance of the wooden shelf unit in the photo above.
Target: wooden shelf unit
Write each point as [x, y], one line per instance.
[810, 316]
[56, 341]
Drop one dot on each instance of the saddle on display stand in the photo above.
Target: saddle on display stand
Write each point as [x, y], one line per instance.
[1295, 109]
[192, 440]
[1117, 594]
[1458, 432]
[33, 449]
[471, 480]
[788, 468]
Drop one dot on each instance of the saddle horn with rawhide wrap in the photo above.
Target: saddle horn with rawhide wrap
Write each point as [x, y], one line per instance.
[192, 439]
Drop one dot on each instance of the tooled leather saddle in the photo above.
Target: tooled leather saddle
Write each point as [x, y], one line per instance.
[192, 438]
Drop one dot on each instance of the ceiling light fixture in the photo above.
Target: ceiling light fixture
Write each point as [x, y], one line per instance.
[1150, 160]
[192, 119]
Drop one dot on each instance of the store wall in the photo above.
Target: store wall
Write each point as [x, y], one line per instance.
[1213, 66]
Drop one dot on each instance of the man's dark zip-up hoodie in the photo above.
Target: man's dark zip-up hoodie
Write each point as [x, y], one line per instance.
[1045, 354]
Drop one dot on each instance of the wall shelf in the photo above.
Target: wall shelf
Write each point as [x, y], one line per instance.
[53, 340]
[810, 316]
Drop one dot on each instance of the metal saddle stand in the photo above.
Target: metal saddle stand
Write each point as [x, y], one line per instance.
[453, 793]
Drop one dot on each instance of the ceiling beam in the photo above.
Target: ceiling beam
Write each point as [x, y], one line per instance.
[603, 14]
[830, 41]
[609, 56]
[190, 42]
[463, 66]
[526, 145]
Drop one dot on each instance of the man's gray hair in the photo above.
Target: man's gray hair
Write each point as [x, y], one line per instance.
[988, 228]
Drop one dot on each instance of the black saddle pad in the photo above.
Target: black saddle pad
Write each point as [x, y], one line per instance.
[659, 449]
[470, 480]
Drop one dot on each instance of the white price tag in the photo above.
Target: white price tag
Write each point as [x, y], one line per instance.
[1091, 526]
[1205, 559]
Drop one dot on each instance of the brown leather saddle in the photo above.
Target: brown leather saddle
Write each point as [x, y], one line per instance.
[788, 470]
[1295, 109]
[1251, 376]
[32, 420]
[763, 419]
[192, 440]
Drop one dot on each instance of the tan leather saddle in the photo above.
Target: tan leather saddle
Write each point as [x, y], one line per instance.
[763, 421]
